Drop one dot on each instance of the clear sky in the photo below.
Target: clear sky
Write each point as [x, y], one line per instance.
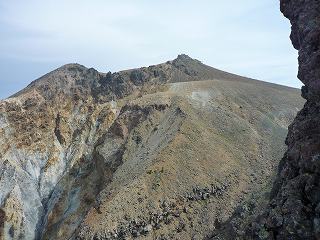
[246, 37]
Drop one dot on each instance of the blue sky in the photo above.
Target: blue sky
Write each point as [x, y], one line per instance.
[246, 37]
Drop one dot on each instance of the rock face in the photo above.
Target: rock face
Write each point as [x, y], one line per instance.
[294, 211]
[150, 153]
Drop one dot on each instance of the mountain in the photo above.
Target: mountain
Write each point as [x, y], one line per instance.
[169, 151]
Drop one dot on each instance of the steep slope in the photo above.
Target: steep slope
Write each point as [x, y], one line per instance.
[166, 151]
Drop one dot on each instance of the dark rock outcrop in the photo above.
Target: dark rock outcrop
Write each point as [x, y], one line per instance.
[294, 211]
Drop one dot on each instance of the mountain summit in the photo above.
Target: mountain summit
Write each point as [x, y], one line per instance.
[169, 151]
[75, 79]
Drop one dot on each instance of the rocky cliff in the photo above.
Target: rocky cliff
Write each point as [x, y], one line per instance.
[294, 211]
[161, 152]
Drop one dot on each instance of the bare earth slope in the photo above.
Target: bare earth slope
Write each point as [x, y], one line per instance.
[164, 152]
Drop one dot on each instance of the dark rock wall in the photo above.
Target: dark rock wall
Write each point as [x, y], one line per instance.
[294, 211]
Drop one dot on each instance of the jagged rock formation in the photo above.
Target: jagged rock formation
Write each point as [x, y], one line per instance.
[294, 211]
[162, 152]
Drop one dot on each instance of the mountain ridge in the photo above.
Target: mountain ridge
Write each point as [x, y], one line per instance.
[189, 69]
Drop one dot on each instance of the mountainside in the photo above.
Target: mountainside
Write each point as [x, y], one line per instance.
[169, 151]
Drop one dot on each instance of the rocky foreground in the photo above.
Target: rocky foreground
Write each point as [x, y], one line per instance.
[170, 151]
[294, 209]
